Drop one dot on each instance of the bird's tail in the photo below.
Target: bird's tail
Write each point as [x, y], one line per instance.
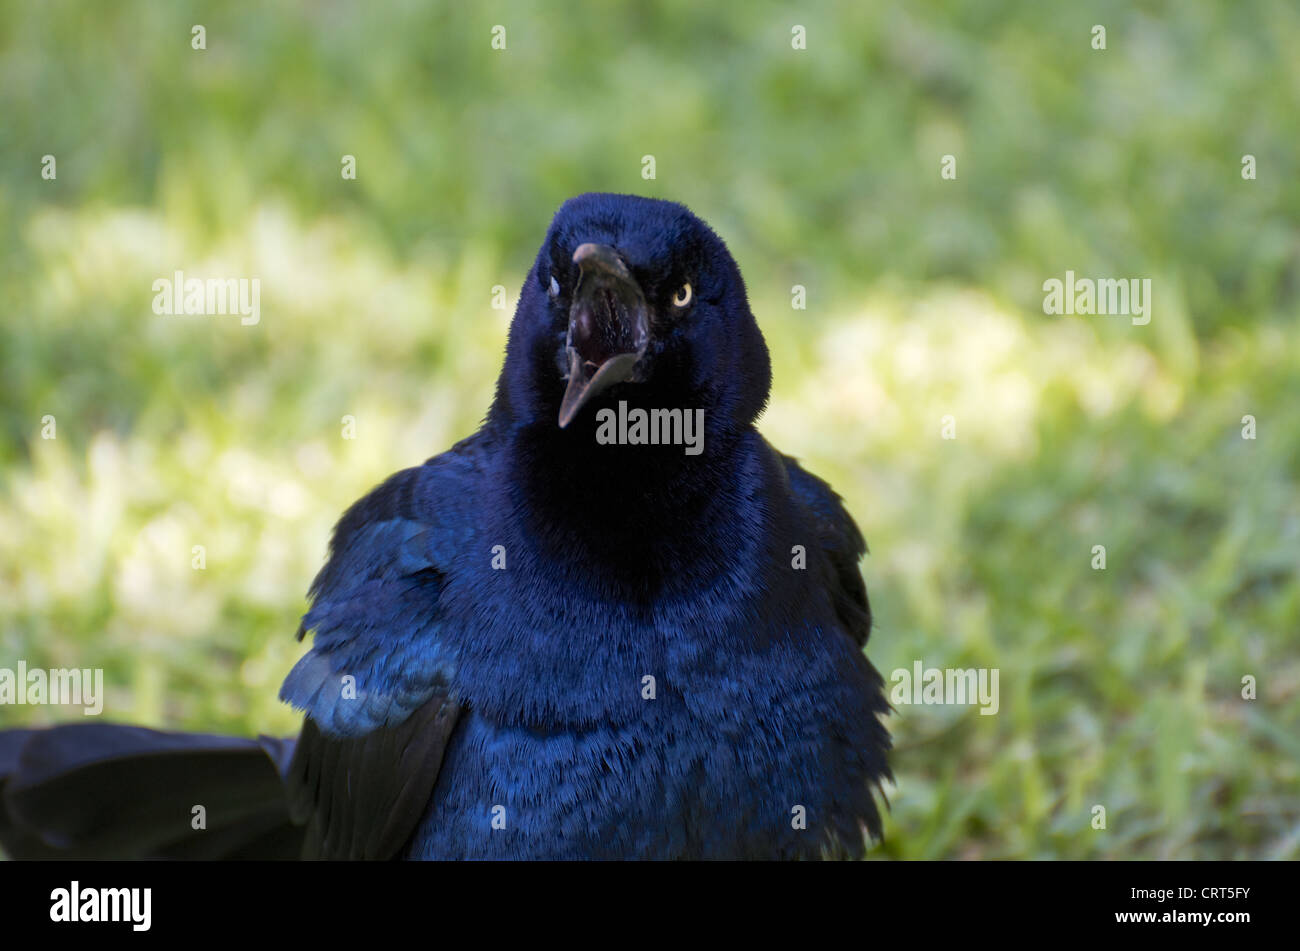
[97, 790]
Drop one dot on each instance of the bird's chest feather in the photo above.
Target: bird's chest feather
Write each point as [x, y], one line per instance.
[662, 738]
[693, 695]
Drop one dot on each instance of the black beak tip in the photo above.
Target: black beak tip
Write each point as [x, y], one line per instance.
[582, 389]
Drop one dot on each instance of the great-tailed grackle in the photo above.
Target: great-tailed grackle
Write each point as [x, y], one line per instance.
[565, 637]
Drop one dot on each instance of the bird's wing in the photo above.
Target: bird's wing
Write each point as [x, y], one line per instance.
[374, 686]
[841, 542]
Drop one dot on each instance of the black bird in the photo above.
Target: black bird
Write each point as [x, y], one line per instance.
[613, 623]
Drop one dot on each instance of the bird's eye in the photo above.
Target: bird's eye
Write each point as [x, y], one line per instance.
[554, 289]
[683, 296]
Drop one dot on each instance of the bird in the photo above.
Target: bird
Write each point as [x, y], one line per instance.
[589, 630]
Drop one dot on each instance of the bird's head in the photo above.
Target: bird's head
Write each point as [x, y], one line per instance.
[637, 300]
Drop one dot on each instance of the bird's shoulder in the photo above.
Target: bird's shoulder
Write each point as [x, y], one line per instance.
[375, 685]
[374, 613]
[840, 545]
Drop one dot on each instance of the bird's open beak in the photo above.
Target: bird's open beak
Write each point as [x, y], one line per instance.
[609, 327]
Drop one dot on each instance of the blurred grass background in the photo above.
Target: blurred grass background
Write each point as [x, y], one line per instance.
[1120, 688]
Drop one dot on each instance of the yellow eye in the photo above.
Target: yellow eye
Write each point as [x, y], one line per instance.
[683, 296]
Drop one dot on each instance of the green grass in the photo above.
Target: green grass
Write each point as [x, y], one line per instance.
[1119, 687]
